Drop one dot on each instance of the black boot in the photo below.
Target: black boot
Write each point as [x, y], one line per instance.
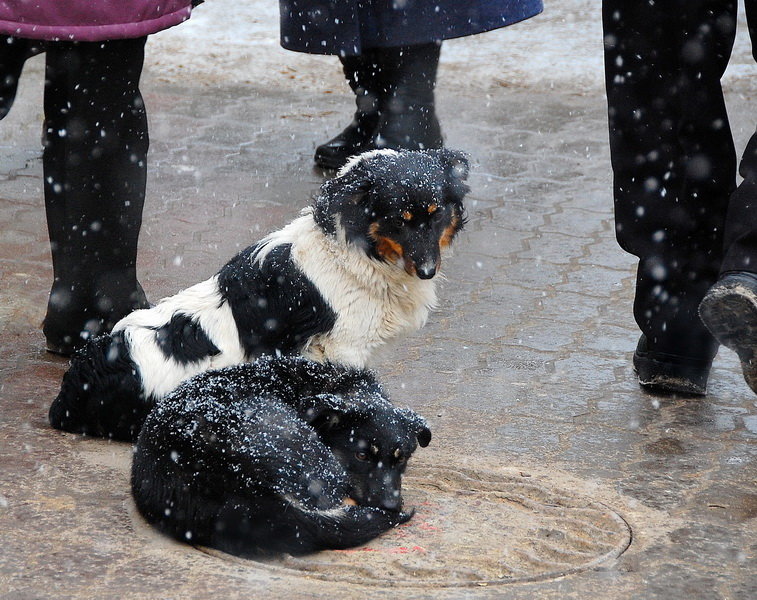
[95, 172]
[669, 373]
[363, 77]
[13, 54]
[675, 351]
[729, 310]
[408, 116]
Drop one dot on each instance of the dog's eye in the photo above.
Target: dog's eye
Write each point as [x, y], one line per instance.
[361, 455]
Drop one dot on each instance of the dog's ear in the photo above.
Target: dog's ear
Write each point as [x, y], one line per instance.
[352, 185]
[344, 194]
[418, 426]
[456, 163]
[325, 411]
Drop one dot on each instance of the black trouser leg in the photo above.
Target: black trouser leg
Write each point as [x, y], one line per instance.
[13, 54]
[672, 156]
[408, 114]
[95, 173]
[741, 221]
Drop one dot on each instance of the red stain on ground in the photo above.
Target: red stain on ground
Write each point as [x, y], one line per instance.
[397, 550]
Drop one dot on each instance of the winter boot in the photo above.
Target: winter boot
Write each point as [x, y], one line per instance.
[729, 310]
[408, 116]
[671, 373]
[94, 166]
[363, 77]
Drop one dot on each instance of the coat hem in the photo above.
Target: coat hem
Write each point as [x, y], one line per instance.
[355, 47]
[93, 33]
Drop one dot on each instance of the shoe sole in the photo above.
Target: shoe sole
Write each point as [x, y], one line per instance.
[668, 378]
[730, 313]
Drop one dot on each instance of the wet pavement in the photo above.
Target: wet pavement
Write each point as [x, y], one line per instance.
[550, 474]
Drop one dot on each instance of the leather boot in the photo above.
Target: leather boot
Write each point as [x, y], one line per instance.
[408, 116]
[672, 373]
[729, 310]
[675, 351]
[94, 164]
[363, 77]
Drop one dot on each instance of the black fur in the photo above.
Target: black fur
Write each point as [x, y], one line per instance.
[275, 307]
[102, 377]
[184, 340]
[260, 458]
[373, 198]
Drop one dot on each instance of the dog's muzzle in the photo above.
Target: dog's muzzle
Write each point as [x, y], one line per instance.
[426, 271]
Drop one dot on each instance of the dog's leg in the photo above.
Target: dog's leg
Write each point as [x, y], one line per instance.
[101, 393]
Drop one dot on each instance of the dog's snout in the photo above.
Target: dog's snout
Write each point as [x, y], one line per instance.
[384, 491]
[389, 499]
[391, 504]
[426, 271]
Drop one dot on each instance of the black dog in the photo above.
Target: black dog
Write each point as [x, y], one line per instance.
[281, 455]
[353, 272]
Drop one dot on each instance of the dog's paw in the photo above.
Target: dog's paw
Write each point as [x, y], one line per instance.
[404, 517]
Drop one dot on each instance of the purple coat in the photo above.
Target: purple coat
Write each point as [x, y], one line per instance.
[89, 20]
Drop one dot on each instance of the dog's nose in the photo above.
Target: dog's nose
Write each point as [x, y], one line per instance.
[426, 271]
[391, 504]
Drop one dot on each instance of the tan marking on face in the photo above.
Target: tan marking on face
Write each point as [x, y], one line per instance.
[397, 453]
[374, 449]
[407, 215]
[386, 247]
[432, 209]
[449, 232]
[349, 502]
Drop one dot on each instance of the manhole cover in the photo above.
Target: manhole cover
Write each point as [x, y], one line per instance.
[474, 528]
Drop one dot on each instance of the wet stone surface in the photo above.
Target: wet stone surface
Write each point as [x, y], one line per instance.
[474, 528]
[524, 367]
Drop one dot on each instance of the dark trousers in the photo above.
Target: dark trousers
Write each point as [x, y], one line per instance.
[94, 165]
[674, 163]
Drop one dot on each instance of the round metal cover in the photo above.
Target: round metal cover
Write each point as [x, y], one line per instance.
[474, 528]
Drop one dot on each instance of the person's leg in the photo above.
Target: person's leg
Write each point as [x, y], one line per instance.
[13, 54]
[730, 307]
[363, 77]
[94, 180]
[674, 169]
[408, 114]
[741, 221]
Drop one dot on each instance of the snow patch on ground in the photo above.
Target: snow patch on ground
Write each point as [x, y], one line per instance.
[228, 42]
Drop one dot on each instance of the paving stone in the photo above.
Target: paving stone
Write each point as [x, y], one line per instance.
[523, 372]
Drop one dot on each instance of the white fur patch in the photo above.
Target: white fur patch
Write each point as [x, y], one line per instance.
[364, 156]
[204, 304]
[373, 301]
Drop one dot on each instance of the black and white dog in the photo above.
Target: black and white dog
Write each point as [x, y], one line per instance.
[280, 455]
[353, 272]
